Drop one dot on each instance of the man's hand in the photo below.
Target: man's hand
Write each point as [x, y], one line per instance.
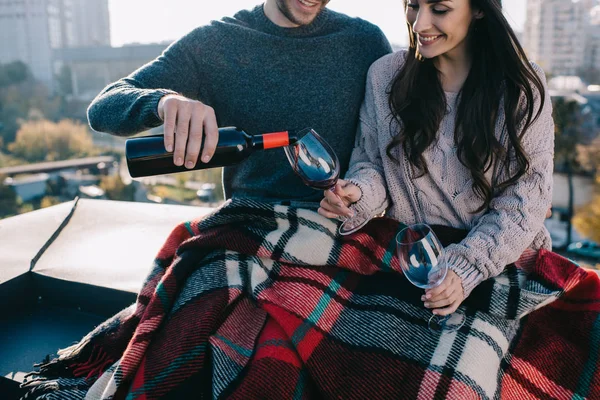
[186, 124]
[446, 297]
[337, 201]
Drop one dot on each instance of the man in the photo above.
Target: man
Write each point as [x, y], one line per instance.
[286, 64]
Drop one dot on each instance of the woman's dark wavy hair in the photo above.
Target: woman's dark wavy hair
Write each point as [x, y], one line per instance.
[500, 67]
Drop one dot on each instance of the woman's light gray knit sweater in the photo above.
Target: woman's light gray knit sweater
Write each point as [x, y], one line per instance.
[498, 235]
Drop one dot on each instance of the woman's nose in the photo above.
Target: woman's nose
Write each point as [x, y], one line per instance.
[422, 22]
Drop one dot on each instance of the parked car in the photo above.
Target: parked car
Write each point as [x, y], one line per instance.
[585, 248]
[206, 193]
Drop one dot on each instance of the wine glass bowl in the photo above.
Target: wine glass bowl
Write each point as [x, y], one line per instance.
[425, 265]
[314, 161]
[420, 253]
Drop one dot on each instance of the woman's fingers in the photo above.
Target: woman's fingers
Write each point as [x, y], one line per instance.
[332, 207]
[447, 310]
[436, 291]
[441, 300]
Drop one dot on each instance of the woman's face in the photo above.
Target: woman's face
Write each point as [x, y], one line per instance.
[441, 27]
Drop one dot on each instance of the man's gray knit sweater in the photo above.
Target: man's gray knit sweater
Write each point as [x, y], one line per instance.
[262, 78]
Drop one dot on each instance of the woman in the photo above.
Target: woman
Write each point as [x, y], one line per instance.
[458, 129]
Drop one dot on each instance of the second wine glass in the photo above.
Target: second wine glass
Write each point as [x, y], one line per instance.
[317, 164]
[423, 261]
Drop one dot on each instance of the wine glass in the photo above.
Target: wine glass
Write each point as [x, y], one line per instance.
[316, 163]
[424, 264]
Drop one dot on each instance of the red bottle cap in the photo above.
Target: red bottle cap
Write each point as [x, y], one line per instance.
[276, 139]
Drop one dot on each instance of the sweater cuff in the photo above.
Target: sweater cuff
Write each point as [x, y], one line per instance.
[151, 107]
[371, 202]
[468, 273]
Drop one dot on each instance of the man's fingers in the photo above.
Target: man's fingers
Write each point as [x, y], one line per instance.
[211, 134]
[194, 142]
[170, 118]
[181, 135]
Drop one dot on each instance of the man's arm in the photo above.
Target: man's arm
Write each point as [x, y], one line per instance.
[165, 89]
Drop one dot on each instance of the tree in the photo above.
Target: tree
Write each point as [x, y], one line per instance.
[587, 218]
[49, 201]
[115, 189]
[9, 203]
[567, 133]
[48, 141]
[19, 94]
[13, 73]
[65, 80]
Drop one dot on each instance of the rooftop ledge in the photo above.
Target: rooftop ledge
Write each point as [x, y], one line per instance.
[67, 268]
[97, 242]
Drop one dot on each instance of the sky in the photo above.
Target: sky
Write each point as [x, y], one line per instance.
[153, 21]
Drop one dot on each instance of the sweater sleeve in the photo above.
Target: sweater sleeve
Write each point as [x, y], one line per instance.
[130, 105]
[366, 167]
[516, 214]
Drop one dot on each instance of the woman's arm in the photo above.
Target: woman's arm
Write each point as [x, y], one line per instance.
[517, 214]
[366, 167]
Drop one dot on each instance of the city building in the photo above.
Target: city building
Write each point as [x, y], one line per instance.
[556, 34]
[92, 68]
[32, 29]
[91, 23]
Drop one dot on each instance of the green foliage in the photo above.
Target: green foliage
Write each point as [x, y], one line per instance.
[7, 160]
[13, 73]
[64, 79]
[567, 131]
[589, 156]
[23, 98]
[9, 203]
[48, 141]
[49, 201]
[213, 175]
[179, 194]
[115, 189]
[587, 218]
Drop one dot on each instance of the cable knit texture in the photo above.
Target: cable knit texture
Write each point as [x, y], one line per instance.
[498, 235]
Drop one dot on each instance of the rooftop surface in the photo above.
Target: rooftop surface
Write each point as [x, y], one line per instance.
[66, 268]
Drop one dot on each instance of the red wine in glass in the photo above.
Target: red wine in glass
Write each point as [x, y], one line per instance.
[316, 163]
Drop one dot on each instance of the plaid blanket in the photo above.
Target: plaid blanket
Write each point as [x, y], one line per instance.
[262, 301]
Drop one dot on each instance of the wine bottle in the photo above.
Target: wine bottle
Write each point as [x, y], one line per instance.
[146, 156]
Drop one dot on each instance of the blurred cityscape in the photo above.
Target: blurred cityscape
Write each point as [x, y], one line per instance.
[56, 56]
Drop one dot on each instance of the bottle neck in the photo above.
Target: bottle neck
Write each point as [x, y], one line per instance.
[274, 140]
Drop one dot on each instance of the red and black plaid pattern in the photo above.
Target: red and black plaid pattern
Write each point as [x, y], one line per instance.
[262, 301]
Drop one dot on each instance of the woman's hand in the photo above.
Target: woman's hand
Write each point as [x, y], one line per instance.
[337, 201]
[187, 123]
[446, 297]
